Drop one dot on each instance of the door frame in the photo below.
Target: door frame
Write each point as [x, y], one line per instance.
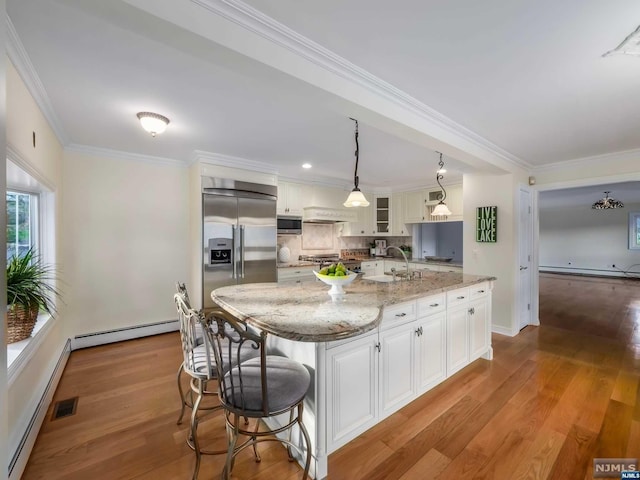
[533, 266]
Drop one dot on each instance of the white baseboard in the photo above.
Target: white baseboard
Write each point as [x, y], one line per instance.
[23, 448]
[504, 330]
[121, 334]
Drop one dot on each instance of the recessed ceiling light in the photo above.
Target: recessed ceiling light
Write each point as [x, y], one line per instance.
[306, 165]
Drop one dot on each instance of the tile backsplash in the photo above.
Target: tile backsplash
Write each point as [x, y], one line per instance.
[319, 238]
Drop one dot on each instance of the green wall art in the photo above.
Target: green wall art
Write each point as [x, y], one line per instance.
[487, 224]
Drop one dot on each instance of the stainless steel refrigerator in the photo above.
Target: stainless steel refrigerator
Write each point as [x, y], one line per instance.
[239, 234]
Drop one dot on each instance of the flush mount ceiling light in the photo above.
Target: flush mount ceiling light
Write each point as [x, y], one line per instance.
[306, 165]
[154, 123]
[607, 203]
[441, 208]
[629, 46]
[356, 197]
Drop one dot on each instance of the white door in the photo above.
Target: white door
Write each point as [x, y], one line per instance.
[525, 258]
[396, 368]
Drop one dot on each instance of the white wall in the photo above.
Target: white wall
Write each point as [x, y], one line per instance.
[498, 259]
[43, 162]
[126, 241]
[583, 240]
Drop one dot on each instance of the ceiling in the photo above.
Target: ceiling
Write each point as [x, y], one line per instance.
[626, 192]
[527, 77]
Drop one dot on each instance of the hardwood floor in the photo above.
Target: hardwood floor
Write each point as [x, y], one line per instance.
[553, 398]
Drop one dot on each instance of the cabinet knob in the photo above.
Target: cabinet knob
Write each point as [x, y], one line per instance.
[480, 291]
[461, 297]
[417, 332]
[401, 314]
[434, 304]
[472, 311]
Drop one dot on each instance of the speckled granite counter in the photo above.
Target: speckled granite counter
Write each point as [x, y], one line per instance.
[305, 312]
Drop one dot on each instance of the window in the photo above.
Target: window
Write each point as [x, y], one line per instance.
[22, 222]
[634, 231]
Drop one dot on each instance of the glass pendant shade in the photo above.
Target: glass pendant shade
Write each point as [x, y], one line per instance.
[356, 199]
[441, 210]
[153, 123]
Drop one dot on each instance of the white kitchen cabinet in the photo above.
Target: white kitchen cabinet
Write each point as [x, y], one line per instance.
[457, 339]
[295, 273]
[453, 202]
[468, 326]
[397, 368]
[364, 224]
[290, 198]
[372, 268]
[382, 215]
[414, 206]
[398, 225]
[479, 323]
[352, 389]
[417, 345]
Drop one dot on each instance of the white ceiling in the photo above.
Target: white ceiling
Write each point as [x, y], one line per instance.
[526, 76]
[626, 192]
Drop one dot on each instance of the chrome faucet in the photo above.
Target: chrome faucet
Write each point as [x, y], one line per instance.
[406, 262]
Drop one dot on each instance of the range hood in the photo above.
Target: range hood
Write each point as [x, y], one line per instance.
[328, 215]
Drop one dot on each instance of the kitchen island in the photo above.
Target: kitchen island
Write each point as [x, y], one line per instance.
[372, 350]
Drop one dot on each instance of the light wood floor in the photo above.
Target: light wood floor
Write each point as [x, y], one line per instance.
[553, 398]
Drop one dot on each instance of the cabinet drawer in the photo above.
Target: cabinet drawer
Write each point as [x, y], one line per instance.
[393, 315]
[431, 305]
[289, 273]
[478, 291]
[458, 297]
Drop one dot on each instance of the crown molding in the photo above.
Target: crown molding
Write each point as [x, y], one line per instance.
[20, 59]
[14, 155]
[585, 161]
[257, 22]
[120, 155]
[222, 160]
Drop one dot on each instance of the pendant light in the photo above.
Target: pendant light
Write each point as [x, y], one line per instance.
[441, 208]
[356, 197]
[607, 203]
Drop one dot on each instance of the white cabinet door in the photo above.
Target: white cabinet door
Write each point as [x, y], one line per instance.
[430, 352]
[454, 202]
[457, 339]
[414, 208]
[372, 268]
[397, 368]
[352, 389]
[382, 215]
[364, 225]
[290, 198]
[479, 328]
[398, 225]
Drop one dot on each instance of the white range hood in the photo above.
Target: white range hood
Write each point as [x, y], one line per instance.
[328, 215]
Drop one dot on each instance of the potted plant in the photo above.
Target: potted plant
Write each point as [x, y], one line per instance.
[29, 290]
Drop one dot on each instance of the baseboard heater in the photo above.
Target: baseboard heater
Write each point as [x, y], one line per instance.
[19, 458]
[596, 272]
[121, 334]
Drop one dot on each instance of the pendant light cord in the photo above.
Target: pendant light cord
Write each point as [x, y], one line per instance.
[439, 177]
[355, 174]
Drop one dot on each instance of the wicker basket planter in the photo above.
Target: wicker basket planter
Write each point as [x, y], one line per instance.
[20, 322]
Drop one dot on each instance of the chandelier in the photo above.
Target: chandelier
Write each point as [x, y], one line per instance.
[606, 203]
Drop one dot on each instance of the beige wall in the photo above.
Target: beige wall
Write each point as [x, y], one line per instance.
[44, 162]
[126, 241]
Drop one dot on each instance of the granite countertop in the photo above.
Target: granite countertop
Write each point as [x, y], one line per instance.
[295, 264]
[305, 312]
[417, 260]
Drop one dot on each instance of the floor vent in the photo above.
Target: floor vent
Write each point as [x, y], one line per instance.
[64, 408]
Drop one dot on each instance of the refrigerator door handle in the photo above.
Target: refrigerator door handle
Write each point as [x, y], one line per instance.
[233, 253]
[241, 251]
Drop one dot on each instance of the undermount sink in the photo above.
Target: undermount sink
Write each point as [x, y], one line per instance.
[379, 278]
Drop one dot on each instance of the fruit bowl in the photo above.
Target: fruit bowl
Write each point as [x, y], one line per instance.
[336, 282]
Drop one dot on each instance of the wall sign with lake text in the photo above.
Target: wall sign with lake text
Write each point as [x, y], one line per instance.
[487, 224]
